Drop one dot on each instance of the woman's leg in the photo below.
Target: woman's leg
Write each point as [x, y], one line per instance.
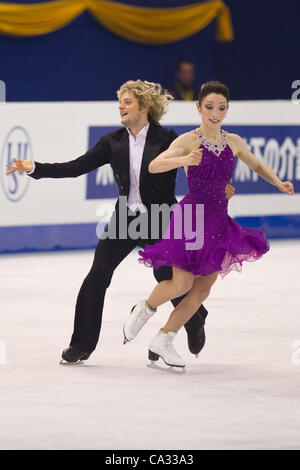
[195, 326]
[181, 282]
[191, 302]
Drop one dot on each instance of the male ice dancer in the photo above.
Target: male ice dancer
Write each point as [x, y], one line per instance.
[129, 150]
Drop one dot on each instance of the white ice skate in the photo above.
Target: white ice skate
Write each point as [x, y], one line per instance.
[162, 346]
[139, 316]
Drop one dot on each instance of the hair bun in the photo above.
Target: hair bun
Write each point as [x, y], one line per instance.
[213, 86]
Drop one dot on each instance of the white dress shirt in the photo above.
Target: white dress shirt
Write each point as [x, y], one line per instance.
[136, 150]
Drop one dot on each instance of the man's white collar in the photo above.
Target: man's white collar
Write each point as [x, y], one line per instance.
[142, 131]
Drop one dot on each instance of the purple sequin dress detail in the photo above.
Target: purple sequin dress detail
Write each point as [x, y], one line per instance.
[226, 244]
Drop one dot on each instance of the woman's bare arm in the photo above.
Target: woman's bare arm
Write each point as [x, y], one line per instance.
[244, 154]
[182, 152]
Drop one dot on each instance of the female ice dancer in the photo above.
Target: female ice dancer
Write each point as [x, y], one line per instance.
[207, 154]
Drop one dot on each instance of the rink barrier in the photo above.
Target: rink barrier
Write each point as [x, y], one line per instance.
[56, 214]
[36, 238]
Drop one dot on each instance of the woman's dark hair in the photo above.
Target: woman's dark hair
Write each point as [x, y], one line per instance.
[213, 87]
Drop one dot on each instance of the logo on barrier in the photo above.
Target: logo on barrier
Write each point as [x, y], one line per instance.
[276, 146]
[16, 145]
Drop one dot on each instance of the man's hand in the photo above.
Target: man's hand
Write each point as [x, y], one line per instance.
[21, 165]
[229, 190]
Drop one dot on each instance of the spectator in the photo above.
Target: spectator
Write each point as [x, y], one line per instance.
[184, 85]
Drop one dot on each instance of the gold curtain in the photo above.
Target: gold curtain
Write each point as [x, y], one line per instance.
[139, 24]
[39, 18]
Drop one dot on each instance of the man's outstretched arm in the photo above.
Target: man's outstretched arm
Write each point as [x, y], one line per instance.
[92, 159]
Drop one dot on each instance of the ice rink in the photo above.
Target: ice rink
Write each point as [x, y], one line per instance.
[243, 392]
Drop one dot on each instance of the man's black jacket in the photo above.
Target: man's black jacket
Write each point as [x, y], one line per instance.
[113, 148]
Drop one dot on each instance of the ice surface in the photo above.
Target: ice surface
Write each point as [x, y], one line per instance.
[243, 392]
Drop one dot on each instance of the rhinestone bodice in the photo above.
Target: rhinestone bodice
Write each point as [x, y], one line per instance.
[207, 180]
[216, 148]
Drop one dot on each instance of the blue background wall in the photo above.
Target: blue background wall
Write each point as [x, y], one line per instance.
[84, 61]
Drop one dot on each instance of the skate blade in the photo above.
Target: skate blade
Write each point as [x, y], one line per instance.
[169, 369]
[66, 363]
[125, 340]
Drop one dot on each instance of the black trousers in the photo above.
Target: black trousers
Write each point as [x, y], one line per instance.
[90, 301]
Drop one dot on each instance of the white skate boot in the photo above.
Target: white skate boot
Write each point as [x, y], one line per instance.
[162, 346]
[139, 316]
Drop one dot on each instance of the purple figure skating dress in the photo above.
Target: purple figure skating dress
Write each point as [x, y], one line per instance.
[225, 243]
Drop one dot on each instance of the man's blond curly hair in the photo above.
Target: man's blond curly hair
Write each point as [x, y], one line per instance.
[148, 94]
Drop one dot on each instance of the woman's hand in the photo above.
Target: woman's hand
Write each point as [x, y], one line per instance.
[21, 165]
[229, 190]
[286, 187]
[193, 158]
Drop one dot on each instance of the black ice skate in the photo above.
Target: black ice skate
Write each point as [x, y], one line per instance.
[196, 333]
[72, 355]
